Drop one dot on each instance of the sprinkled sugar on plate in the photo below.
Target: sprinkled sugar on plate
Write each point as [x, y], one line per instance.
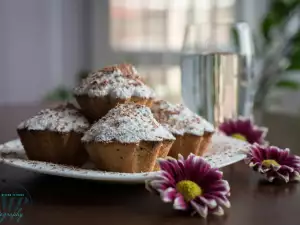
[222, 152]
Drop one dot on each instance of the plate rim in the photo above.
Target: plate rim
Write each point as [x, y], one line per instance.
[117, 177]
[85, 174]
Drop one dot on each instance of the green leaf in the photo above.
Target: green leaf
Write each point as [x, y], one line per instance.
[278, 13]
[288, 84]
[266, 27]
[294, 66]
[82, 75]
[291, 3]
[235, 38]
[296, 38]
[59, 94]
[294, 59]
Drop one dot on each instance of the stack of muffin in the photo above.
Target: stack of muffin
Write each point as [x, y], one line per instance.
[119, 126]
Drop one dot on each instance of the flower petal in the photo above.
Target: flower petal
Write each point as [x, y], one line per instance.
[170, 165]
[272, 153]
[200, 209]
[284, 177]
[167, 177]
[226, 128]
[285, 171]
[296, 176]
[157, 184]
[180, 157]
[291, 160]
[221, 186]
[218, 211]
[168, 195]
[197, 170]
[270, 177]
[210, 202]
[283, 155]
[213, 175]
[288, 169]
[251, 164]
[245, 127]
[262, 169]
[222, 200]
[149, 187]
[179, 203]
[166, 165]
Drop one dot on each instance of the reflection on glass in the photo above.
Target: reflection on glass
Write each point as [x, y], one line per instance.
[216, 69]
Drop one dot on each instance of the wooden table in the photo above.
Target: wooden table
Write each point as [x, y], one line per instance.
[58, 200]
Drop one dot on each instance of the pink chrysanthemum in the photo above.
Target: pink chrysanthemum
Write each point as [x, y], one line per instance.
[274, 163]
[244, 129]
[191, 184]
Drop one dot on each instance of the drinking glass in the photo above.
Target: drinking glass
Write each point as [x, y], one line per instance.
[217, 70]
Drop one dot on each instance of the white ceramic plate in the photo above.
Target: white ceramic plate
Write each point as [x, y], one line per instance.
[222, 152]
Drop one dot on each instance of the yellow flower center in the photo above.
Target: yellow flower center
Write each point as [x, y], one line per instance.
[270, 162]
[239, 136]
[189, 189]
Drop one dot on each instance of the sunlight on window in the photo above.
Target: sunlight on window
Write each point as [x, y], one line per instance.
[155, 5]
[173, 80]
[159, 25]
[165, 80]
[225, 3]
[206, 5]
[155, 30]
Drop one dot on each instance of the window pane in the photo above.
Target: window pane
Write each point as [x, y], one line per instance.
[140, 26]
[225, 11]
[159, 25]
[165, 80]
[155, 32]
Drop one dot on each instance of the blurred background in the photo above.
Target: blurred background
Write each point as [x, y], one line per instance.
[47, 46]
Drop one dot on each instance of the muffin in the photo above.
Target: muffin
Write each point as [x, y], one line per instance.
[127, 139]
[192, 132]
[104, 89]
[54, 135]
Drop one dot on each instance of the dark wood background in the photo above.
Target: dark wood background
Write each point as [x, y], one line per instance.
[58, 200]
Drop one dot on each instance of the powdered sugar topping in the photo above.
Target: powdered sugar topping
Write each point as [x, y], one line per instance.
[127, 123]
[179, 120]
[118, 81]
[64, 118]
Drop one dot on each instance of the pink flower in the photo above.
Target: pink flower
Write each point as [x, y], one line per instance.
[191, 184]
[244, 129]
[274, 163]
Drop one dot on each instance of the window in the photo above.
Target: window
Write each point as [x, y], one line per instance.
[151, 34]
[165, 80]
